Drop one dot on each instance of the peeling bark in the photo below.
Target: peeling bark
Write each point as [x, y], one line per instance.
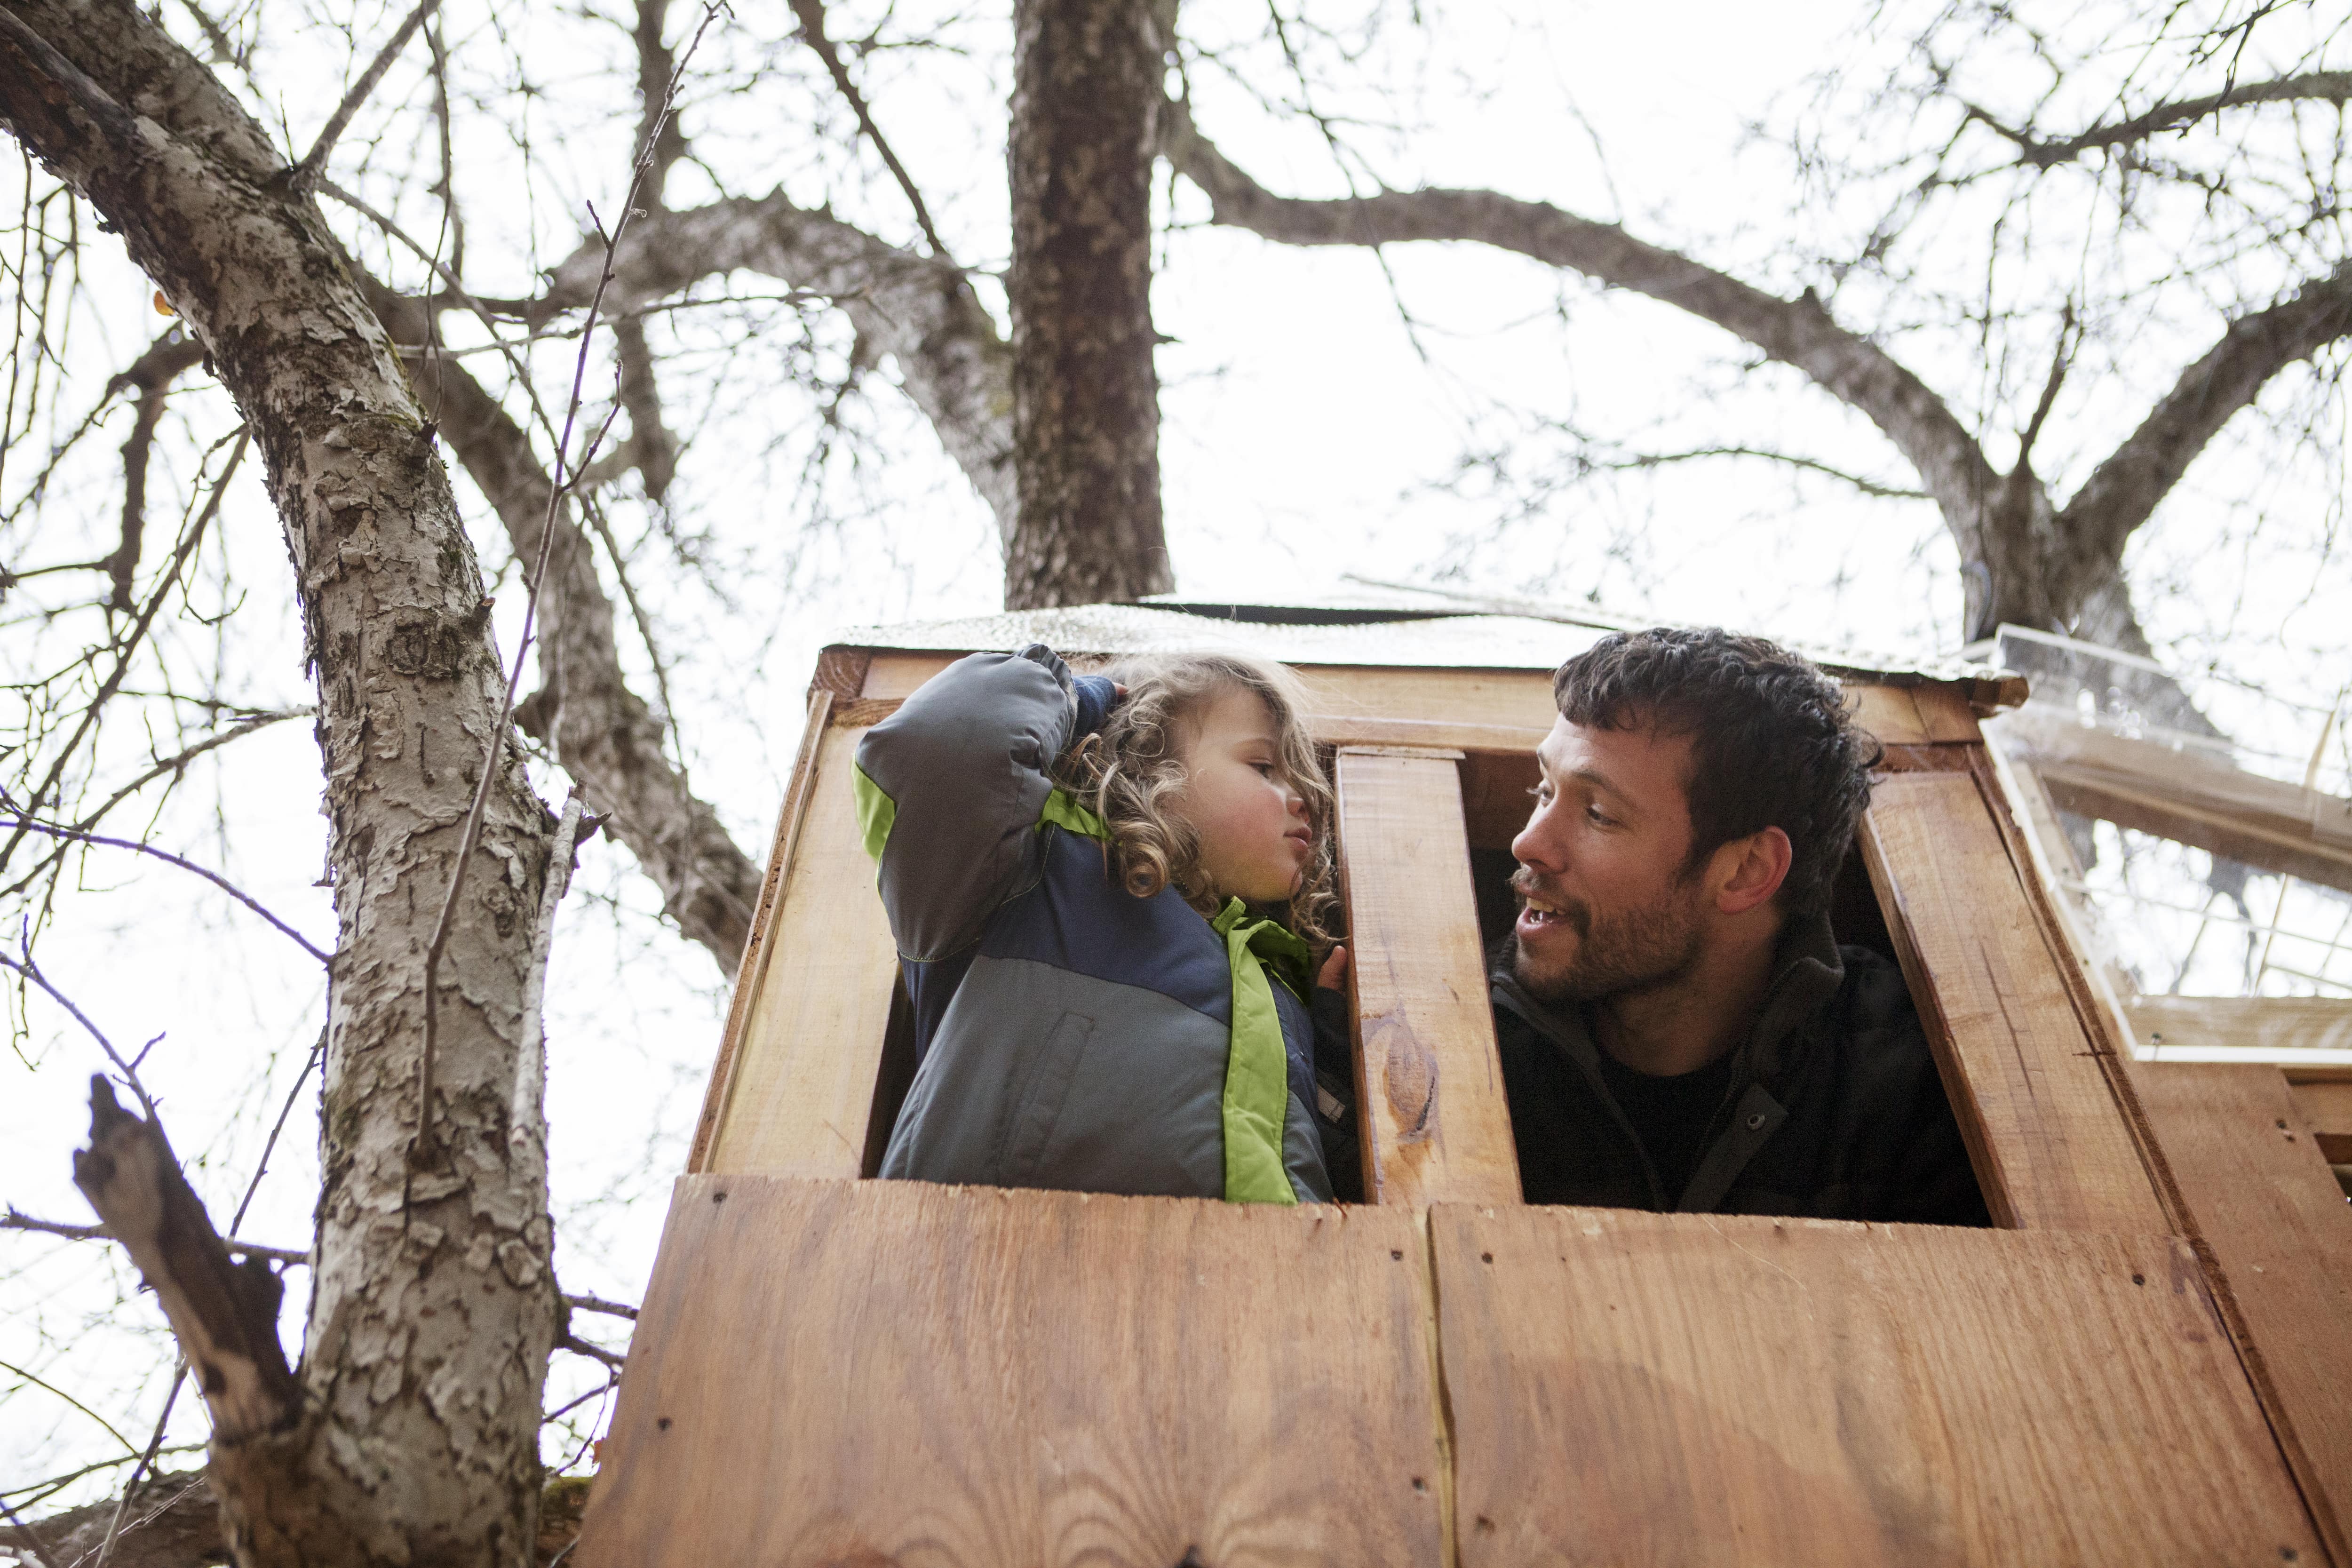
[1086, 398]
[433, 1308]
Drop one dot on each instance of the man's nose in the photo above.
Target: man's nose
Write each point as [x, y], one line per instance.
[1537, 845]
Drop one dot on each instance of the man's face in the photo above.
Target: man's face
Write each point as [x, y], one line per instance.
[1605, 907]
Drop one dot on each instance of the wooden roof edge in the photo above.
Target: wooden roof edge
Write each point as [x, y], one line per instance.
[1365, 635]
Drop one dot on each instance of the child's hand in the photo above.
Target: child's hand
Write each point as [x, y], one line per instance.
[1333, 975]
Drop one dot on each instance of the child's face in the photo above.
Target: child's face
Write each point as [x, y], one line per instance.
[1255, 835]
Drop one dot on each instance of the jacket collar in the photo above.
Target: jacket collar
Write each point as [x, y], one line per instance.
[1807, 972]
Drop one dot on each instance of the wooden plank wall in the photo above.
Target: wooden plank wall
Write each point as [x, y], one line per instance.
[2262, 1197]
[1436, 1126]
[798, 1084]
[1676, 1389]
[871, 1372]
[2052, 1146]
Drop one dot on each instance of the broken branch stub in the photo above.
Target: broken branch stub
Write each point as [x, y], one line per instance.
[224, 1314]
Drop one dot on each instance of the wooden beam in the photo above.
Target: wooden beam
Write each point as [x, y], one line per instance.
[871, 1372]
[798, 1086]
[757, 948]
[2279, 1232]
[2326, 1111]
[1429, 1084]
[2278, 1027]
[2051, 1143]
[1638, 1388]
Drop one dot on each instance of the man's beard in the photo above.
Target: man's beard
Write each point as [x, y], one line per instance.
[1640, 949]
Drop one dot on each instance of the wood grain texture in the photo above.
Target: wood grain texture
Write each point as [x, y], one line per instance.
[2050, 1142]
[2326, 1111]
[1672, 1389]
[892, 1372]
[1945, 714]
[2261, 1023]
[757, 948]
[801, 1088]
[1437, 1127]
[2279, 1232]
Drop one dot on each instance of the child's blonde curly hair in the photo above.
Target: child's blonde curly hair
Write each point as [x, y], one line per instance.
[1127, 772]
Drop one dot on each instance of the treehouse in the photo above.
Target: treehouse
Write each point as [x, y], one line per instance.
[2147, 1360]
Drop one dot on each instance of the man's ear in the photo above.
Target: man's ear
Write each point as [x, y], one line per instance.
[1751, 870]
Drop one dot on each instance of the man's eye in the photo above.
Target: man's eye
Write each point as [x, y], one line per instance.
[1597, 817]
[1542, 793]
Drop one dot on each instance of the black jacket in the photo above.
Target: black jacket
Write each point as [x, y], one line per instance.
[1835, 1109]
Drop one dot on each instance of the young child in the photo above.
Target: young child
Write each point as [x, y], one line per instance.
[1081, 874]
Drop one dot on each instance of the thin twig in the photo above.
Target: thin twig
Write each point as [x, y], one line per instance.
[172, 764]
[261, 1168]
[579, 1346]
[25, 1531]
[215, 877]
[32, 972]
[138, 632]
[562, 484]
[811, 13]
[306, 173]
[123, 1504]
[16, 1219]
[39, 1382]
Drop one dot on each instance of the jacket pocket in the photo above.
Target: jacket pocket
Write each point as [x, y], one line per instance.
[1037, 1106]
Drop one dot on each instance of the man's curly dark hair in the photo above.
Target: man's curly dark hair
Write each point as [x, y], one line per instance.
[1772, 742]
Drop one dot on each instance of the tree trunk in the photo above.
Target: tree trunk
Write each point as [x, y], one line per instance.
[1085, 399]
[415, 1439]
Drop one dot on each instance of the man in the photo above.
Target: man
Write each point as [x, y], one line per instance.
[1679, 1029]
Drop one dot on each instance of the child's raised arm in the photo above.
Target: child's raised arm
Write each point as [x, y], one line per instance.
[951, 786]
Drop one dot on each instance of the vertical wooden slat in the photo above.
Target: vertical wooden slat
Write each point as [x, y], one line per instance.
[756, 945]
[801, 1087]
[2052, 1145]
[2267, 1208]
[1431, 1087]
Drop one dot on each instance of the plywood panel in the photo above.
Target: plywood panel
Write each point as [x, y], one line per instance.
[2049, 1140]
[2265, 1204]
[2326, 1110]
[2280, 1024]
[756, 947]
[1436, 1125]
[895, 1372]
[1671, 1389]
[802, 1086]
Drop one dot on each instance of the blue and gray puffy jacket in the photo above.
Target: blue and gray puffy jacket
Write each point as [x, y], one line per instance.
[1067, 1032]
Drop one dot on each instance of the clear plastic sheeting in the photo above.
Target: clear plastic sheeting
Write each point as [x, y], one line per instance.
[2200, 835]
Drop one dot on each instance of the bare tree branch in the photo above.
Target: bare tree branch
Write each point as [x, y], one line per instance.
[1798, 333]
[53, 830]
[2122, 490]
[314, 162]
[151, 375]
[168, 1522]
[2318, 87]
[652, 449]
[919, 311]
[224, 1315]
[811, 15]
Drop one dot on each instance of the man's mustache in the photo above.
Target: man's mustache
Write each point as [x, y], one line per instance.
[1575, 912]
